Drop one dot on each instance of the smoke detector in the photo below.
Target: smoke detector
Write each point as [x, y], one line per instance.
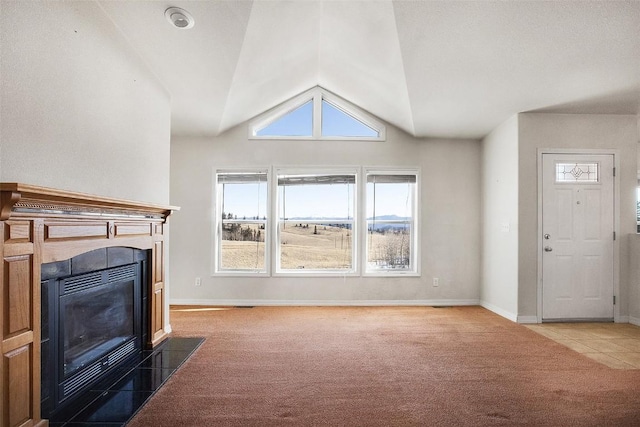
[179, 18]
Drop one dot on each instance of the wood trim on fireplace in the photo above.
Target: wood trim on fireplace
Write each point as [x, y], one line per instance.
[40, 225]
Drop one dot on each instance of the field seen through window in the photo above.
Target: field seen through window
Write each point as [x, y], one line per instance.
[312, 246]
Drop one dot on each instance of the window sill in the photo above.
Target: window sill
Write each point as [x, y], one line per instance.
[240, 274]
[315, 274]
[392, 274]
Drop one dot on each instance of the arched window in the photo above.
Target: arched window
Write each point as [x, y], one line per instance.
[317, 114]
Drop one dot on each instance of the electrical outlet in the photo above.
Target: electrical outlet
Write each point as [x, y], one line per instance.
[198, 282]
[436, 281]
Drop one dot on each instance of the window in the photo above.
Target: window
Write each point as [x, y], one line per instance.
[577, 172]
[317, 114]
[333, 221]
[391, 222]
[638, 209]
[337, 122]
[298, 122]
[241, 226]
[316, 222]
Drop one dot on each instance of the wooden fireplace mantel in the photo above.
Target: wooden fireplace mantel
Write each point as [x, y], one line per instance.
[41, 225]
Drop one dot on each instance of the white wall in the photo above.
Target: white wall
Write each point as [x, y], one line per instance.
[450, 214]
[573, 131]
[80, 110]
[634, 279]
[499, 291]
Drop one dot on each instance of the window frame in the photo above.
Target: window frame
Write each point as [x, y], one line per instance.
[317, 95]
[415, 243]
[319, 171]
[218, 221]
[359, 222]
[638, 206]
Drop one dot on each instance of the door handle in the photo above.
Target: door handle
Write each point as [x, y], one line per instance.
[548, 248]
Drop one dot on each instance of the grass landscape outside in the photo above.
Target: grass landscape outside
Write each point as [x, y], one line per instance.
[303, 246]
[243, 247]
[389, 249]
[313, 246]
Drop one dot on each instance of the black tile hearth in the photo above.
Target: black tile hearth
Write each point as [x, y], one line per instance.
[116, 399]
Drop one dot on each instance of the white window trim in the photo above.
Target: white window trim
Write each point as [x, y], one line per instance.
[217, 226]
[355, 267]
[416, 241]
[317, 95]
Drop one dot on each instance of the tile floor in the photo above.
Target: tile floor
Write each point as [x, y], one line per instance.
[616, 345]
[115, 400]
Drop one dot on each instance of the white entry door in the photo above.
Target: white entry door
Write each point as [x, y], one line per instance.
[577, 237]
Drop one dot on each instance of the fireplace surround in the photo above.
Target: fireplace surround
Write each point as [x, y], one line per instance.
[40, 226]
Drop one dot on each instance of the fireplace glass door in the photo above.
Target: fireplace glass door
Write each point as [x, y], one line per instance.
[95, 321]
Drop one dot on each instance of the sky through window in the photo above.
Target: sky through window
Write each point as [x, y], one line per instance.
[325, 201]
[336, 122]
[298, 122]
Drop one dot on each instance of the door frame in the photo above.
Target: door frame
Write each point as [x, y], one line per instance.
[616, 220]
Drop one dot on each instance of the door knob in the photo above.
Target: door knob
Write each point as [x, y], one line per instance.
[547, 236]
[548, 248]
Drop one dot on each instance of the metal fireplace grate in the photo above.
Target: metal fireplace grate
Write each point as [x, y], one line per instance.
[80, 283]
[121, 353]
[81, 379]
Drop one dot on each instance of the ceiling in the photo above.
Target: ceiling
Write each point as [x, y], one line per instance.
[432, 68]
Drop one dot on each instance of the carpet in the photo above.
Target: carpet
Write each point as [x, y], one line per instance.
[383, 366]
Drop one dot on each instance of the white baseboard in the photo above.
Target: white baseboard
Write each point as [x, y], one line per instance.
[634, 320]
[328, 303]
[622, 319]
[527, 319]
[499, 311]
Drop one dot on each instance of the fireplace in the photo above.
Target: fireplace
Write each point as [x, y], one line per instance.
[46, 236]
[93, 320]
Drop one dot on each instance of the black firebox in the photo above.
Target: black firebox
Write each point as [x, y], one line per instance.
[94, 315]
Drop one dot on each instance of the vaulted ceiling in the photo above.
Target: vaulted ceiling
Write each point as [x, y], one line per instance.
[431, 68]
